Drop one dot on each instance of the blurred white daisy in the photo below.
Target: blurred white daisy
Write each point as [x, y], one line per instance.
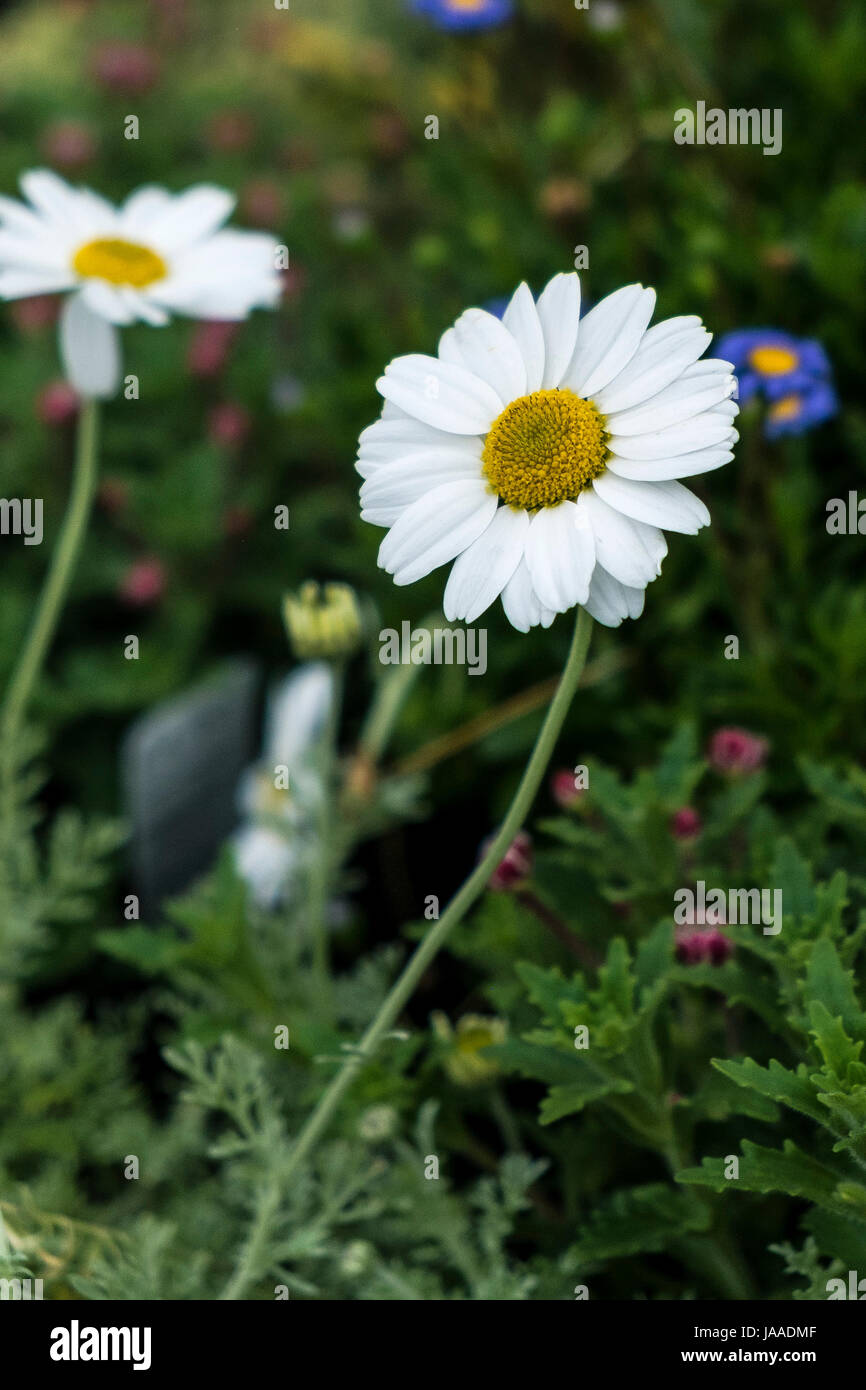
[159, 253]
[540, 453]
[271, 846]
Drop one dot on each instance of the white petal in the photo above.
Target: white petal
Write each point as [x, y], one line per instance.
[107, 301]
[143, 207]
[390, 440]
[182, 220]
[480, 343]
[441, 394]
[660, 470]
[704, 431]
[480, 574]
[21, 283]
[521, 603]
[560, 555]
[664, 354]
[684, 399]
[90, 348]
[522, 321]
[436, 528]
[667, 504]
[629, 550]
[558, 311]
[402, 482]
[608, 338]
[609, 601]
[225, 276]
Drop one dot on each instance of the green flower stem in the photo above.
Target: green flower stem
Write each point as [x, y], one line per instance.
[59, 575]
[460, 904]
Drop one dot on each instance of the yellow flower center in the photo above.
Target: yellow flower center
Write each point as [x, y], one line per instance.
[773, 361]
[545, 448]
[465, 4]
[120, 262]
[788, 408]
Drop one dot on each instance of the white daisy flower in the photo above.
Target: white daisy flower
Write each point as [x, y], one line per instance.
[158, 254]
[271, 846]
[540, 453]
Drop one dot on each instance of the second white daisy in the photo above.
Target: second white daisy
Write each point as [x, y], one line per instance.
[541, 452]
[158, 254]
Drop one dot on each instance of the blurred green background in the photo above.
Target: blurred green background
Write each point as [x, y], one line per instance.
[555, 131]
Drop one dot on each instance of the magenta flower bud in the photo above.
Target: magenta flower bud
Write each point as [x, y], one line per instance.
[209, 347]
[515, 867]
[130, 69]
[113, 496]
[718, 947]
[30, 316]
[57, 404]
[686, 824]
[143, 583]
[704, 944]
[230, 132]
[228, 425]
[261, 203]
[563, 789]
[736, 752]
[69, 145]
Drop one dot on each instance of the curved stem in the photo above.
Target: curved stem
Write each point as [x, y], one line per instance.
[56, 584]
[461, 902]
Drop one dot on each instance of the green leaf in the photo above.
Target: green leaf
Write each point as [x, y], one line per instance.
[639, 1220]
[793, 1089]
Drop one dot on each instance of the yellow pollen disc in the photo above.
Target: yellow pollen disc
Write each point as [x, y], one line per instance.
[120, 262]
[466, 4]
[773, 361]
[545, 448]
[788, 408]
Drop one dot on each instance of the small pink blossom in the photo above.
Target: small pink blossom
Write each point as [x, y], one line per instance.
[69, 145]
[57, 404]
[698, 946]
[563, 788]
[144, 582]
[737, 752]
[130, 69]
[515, 866]
[228, 425]
[686, 824]
[209, 347]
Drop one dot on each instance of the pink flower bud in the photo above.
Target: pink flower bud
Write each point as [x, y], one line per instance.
[737, 752]
[237, 521]
[209, 347]
[686, 824]
[261, 203]
[515, 867]
[702, 945]
[30, 316]
[57, 404]
[719, 947]
[130, 69]
[564, 790]
[113, 496]
[230, 132]
[228, 425]
[144, 582]
[69, 145]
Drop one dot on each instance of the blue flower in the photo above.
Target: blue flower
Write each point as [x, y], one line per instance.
[793, 375]
[767, 360]
[801, 410]
[465, 14]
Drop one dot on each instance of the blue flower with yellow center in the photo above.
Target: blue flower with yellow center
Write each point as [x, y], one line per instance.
[793, 375]
[465, 14]
[800, 410]
[775, 363]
